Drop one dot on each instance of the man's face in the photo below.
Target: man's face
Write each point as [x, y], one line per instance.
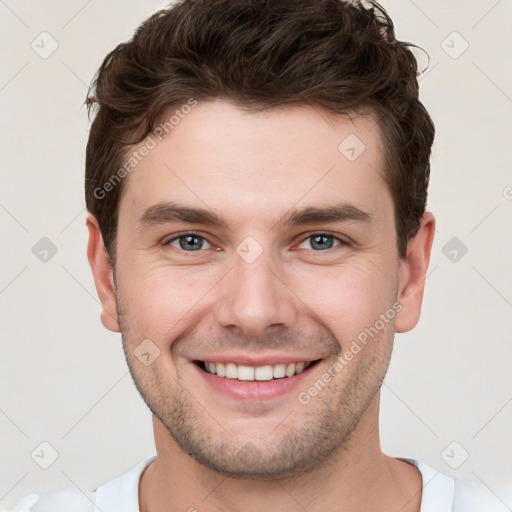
[259, 290]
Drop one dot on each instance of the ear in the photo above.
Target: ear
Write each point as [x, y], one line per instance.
[412, 274]
[103, 275]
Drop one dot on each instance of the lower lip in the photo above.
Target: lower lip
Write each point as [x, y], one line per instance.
[255, 390]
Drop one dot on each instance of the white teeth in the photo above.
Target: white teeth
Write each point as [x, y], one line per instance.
[279, 371]
[290, 370]
[220, 368]
[250, 373]
[231, 371]
[263, 373]
[245, 372]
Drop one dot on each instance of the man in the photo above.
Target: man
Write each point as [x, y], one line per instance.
[256, 178]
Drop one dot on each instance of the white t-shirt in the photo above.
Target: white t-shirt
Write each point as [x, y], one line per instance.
[441, 493]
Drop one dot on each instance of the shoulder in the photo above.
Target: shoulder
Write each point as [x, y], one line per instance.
[69, 500]
[470, 496]
[121, 493]
[441, 491]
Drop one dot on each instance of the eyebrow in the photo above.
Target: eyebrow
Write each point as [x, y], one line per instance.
[330, 214]
[168, 212]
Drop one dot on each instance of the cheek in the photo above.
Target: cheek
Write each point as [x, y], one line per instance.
[159, 299]
[347, 298]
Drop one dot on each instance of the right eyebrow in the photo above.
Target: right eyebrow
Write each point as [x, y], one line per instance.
[167, 212]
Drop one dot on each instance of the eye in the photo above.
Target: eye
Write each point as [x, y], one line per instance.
[189, 242]
[322, 241]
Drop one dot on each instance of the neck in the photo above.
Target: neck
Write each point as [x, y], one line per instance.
[357, 478]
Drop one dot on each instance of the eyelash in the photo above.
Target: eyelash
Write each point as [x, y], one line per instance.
[311, 235]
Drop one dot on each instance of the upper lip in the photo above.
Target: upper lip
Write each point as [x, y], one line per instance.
[255, 360]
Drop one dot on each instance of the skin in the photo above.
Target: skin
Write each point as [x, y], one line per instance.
[218, 453]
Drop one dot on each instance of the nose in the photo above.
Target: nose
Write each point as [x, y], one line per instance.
[255, 297]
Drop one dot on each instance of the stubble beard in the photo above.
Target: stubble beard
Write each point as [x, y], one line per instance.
[324, 434]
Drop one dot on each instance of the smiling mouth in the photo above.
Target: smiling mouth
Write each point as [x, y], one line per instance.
[251, 373]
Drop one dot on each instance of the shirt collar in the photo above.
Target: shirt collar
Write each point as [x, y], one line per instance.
[122, 493]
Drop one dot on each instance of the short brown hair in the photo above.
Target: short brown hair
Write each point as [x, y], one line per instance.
[257, 54]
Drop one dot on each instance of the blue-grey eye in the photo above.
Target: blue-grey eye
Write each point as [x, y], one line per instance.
[188, 242]
[321, 242]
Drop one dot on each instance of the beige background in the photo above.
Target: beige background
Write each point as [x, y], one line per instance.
[64, 380]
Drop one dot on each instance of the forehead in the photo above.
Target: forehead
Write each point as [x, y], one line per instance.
[258, 164]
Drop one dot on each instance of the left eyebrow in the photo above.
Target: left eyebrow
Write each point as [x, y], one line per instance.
[168, 212]
[344, 212]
